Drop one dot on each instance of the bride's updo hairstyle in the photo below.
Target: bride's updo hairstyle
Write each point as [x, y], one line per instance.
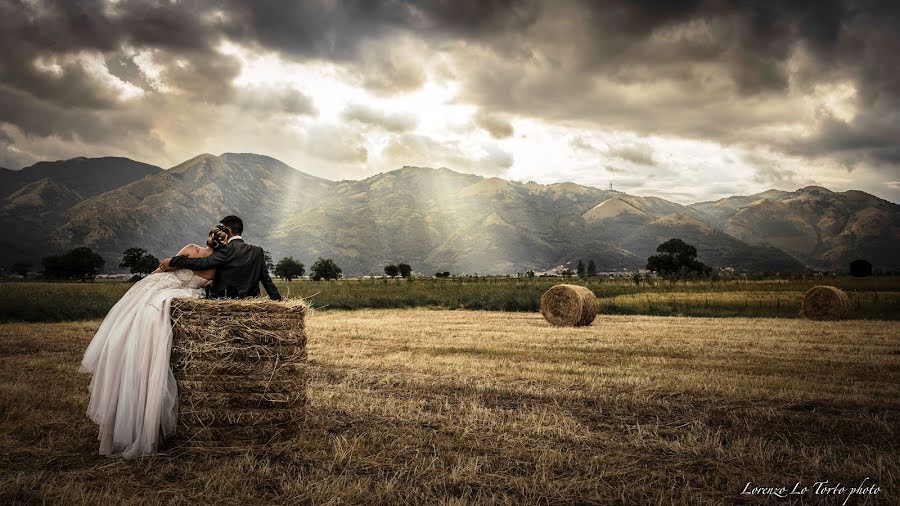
[218, 236]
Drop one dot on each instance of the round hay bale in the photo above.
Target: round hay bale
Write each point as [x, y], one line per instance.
[240, 366]
[825, 303]
[569, 306]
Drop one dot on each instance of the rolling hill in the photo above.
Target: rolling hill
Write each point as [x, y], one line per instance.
[433, 219]
[86, 176]
[822, 228]
[34, 201]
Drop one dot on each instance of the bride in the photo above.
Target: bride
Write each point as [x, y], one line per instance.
[134, 398]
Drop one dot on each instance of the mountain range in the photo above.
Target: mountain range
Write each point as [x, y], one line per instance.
[432, 219]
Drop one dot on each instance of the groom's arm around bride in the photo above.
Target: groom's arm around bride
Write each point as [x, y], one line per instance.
[240, 267]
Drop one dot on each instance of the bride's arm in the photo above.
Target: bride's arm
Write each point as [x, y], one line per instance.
[190, 251]
[218, 257]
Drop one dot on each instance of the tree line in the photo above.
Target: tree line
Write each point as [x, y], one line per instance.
[675, 259]
[323, 269]
[84, 264]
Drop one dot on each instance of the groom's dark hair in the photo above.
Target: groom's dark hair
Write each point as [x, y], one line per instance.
[235, 224]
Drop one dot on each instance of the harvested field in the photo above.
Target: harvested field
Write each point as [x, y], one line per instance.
[413, 406]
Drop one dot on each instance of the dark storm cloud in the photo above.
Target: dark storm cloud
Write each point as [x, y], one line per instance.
[636, 153]
[274, 100]
[10, 158]
[752, 38]
[42, 118]
[874, 135]
[705, 66]
[334, 30]
[30, 31]
[719, 70]
[392, 122]
[352, 32]
[186, 34]
[47, 91]
[499, 128]
[769, 172]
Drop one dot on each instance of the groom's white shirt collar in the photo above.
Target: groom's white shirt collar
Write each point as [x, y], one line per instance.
[233, 238]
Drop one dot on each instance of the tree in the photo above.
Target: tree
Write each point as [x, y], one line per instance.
[391, 271]
[581, 269]
[138, 261]
[676, 258]
[289, 269]
[148, 264]
[131, 258]
[85, 263]
[591, 269]
[529, 274]
[270, 264]
[860, 268]
[325, 268]
[80, 263]
[21, 268]
[53, 267]
[405, 270]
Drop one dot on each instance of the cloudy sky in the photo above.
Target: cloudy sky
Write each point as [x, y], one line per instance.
[687, 100]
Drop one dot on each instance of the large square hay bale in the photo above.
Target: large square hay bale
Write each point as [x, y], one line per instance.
[241, 370]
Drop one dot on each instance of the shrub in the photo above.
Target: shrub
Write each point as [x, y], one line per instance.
[289, 269]
[138, 261]
[860, 268]
[677, 259]
[325, 269]
[80, 263]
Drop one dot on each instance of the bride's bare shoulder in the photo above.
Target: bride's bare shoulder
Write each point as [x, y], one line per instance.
[195, 251]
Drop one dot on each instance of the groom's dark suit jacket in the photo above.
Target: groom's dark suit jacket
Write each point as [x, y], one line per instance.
[240, 268]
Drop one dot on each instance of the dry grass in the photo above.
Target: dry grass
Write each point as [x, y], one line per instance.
[414, 406]
[873, 298]
[761, 304]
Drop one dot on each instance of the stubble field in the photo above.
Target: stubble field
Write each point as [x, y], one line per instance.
[452, 407]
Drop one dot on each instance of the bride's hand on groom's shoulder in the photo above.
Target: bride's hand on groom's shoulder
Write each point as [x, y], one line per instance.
[164, 265]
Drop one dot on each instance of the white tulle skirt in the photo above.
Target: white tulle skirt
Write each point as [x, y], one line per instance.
[134, 398]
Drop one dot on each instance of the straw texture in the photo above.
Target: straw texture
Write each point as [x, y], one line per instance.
[825, 303]
[240, 368]
[569, 306]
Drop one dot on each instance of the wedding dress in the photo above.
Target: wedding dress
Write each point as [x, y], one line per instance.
[134, 398]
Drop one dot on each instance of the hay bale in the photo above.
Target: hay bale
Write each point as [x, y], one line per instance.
[825, 303]
[569, 306]
[240, 368]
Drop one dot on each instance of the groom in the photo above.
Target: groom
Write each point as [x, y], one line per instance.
[240, 267]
